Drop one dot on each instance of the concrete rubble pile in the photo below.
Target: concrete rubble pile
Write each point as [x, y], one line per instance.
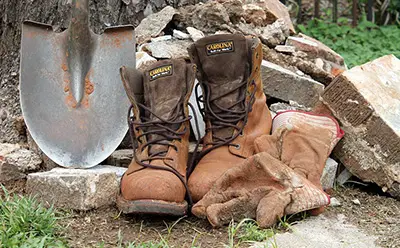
[298, 73]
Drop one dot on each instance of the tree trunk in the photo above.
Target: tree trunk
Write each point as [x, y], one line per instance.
[55, 12]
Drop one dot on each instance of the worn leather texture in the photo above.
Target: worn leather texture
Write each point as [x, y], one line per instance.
[224, 72]
[167, 96]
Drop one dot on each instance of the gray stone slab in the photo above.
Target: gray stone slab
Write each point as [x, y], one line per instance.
[285, 85]
[329, 174]
[322, 232]
[77, 189]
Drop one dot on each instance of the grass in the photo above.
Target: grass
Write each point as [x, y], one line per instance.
[357, 45]
[26, 223]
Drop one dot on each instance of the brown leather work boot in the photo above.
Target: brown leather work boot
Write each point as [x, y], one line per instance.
[155, 181]
[235, 109]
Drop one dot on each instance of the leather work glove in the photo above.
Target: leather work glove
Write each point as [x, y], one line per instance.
[283, 178]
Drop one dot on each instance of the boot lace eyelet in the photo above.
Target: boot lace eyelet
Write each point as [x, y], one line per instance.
[237, 146]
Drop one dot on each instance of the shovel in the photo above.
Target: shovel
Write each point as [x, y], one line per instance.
[72, 99]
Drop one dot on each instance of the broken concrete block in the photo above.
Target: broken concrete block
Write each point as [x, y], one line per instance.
[285, 85]
[120, 158]
[195, 34]
[275, 10]
[161, 38]
[153, 25]
[315, 48]
[329, 174]
[77, 189]
[366, 100]
[15, 162]
[274, 34]
[169, 49]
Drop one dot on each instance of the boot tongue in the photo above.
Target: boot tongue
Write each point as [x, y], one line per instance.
[164, 90]
[224, 66]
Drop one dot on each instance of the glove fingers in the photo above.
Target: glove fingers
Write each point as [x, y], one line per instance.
[236, 209]
[234, 183]
[271, 208]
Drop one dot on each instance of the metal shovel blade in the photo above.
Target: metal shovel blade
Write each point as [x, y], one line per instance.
[72, 98]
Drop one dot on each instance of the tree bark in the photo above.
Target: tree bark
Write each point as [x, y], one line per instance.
[103, 13]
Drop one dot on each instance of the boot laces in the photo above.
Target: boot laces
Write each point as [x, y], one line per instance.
[221, 118]
[165, 134]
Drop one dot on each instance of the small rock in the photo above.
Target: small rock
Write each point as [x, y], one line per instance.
[195, 34]
[222, 32]
[120, 158]
[292, 105]
[234, 9]
[285, 49]
[248, 29]
[208, 17]
[180, 35]
[169, 49]
[79, 189]
[275, 10]
[254, 14]
[343, 177]
[14, 74]
[314, 48]
[356, 202]
[329, 174]
[319, 63]
[335, 202]
[15, 162]
[143, 60]
[153, 25]
[126, 2]
[24, 160]
[274, 34]
[161, 38]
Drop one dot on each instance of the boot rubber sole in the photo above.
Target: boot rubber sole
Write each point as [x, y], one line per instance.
[157, 207]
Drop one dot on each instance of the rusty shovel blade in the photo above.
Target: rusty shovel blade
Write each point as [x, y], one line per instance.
[72, 99]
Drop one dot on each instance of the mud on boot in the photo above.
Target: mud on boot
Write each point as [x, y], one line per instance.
[155, 181]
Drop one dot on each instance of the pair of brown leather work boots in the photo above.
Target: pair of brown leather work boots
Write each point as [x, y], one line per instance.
[160, 178]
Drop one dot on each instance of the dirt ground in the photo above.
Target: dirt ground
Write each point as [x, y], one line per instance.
[377, 214]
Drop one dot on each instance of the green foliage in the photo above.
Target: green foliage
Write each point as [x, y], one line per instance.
[26, 223]
[357, 45]
[247, 230]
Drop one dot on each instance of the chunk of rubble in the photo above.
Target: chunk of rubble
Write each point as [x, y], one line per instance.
[329, 174]
[16, 162]
[254, 14]
[274, 34]
[195, 34]
[285, 49]
[275, 10]
[161, 38]
[285, 85]
[143, 60]
[234, 9]
[78, 189]
[366, 100]
[120, 158]
[208, 17]
[292, 105]
[314, 48]
[169, 49]
[153, 25]
[180, 35]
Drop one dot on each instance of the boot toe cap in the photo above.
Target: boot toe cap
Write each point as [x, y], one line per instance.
[153, 185]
